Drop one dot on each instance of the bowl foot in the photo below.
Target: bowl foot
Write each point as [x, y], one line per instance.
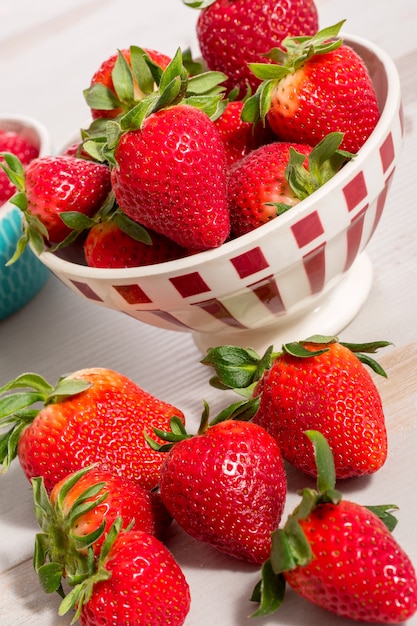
[327, 316]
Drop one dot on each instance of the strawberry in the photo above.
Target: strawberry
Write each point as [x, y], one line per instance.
[138, 568]
[320, 383]
[122, 80]
[79, 513]
[94, 415]
[168, 161]
[52, 186]
[107, 245]
[232, 33]
[270, 180]
[170, 177]
[339, 555]
[23, 149]
[237, 136]
[317, 86]
[226, 486]
[258, 189]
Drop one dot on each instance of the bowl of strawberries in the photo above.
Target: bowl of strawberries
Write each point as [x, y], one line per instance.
[238, 218]
[27, 139]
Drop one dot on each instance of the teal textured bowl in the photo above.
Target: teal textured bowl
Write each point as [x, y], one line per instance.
[22, 280]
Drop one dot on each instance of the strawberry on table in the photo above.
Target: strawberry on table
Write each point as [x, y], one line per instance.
[315, 86]
[320, 383]
[136, 581]
[122, 80]
[225, 486]
[339, 555]
[94, 415]
[79, 513]
[232, 33]
[24, 150]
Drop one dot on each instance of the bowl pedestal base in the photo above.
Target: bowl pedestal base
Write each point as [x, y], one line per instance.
[327, 315]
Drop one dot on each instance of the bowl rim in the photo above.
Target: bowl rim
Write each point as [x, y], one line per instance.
[250, 239]
[45, 143]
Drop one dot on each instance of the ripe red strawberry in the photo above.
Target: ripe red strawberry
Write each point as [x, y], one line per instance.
[232, 33]
[238, 136]
[118, 496]
[275, 177]
[168, 161]
[52, 187]
[79, 513]
[170, 177]
[319, 86]
[226, 486]
[94, 415]
[119, 84]
[137, 581]
[24, 150]
[107, 245]
[319, 384]
[258, 189]
[340, 556]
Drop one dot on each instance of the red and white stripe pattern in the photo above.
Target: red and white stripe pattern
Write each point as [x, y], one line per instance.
[272, 274]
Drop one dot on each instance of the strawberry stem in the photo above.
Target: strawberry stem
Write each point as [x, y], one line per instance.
[16, 407]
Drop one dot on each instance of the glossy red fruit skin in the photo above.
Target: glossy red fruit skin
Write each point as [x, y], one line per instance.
[358, 569]
[104, 424]
[256, 180]
[227, 488]
[55, 184]
[233, 33]
[171, 177]
[103, 75]
[238, 136]
[329, 93]
[146, 586]
[333, 393]
[125, 498]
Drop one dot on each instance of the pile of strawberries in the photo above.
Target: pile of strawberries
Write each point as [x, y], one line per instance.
[179, 159]
[112, 467]
[182, 156]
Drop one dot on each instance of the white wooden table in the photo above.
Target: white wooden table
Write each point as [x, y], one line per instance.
[48, 52]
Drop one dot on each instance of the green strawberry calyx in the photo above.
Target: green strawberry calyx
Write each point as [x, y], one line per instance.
[324, 161]
[59, 552]
[240, 411]
[199, 4]
[174, 85]
[241, 369]
[293, 53]
[18, 408]
[108, 212]
[290, 547]
[34, 232]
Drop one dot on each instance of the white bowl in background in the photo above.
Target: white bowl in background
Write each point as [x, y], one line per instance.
[22, 280]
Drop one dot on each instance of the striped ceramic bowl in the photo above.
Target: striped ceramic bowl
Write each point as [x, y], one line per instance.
[305, 272]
